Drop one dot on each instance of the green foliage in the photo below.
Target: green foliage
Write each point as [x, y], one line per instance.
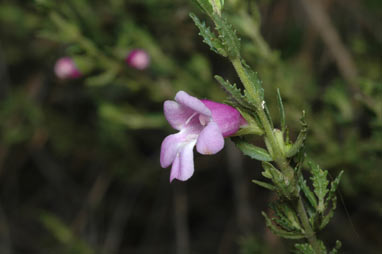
[308, 193]
[305, 248]
[235, 95]
[320, 184]
[205, 6]
[254, 80]
[336, 248]
[281, 232]
[282, 111]
[209, 38]
[64, 235]
[293, 149]
[253, 151]
[227, 35]
[284, 187]
[20, 119]
[251, 245]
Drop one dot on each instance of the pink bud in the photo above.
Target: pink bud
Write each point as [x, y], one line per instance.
[138, 59]
[65, 68]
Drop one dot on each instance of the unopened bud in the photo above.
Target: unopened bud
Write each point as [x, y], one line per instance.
[65, 68]
[138, 59]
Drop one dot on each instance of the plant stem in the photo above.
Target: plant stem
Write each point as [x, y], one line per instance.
[309, 233]
[278, 154]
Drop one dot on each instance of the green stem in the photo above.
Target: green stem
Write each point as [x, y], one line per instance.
[278, 155]
[309, 233]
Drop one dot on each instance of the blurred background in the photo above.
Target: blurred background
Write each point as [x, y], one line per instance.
[80, 143]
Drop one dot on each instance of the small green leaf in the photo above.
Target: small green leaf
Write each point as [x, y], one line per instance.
[280, 232]
[320, 184]
[227, 35]
[299, 143]
[254, 79]
[307, 192]
[326, 219]
[253, 151]
[282, 112]
[286, 217]
[306, 248]
[208, 37]
[253, 126]
[268, 114]
[333, 187]
[233, 92]
[283, 184]
[264, 185]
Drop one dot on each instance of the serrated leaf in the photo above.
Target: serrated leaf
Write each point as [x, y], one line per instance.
[254, 79]
[291, 216]
[282, 111]
[307, 192]
[253, 151]
[208, 37]
[264, 185]
[281, 232]
[320, 184]
[299, 143]
[306, 248]
[233, 92]
[326, 219]
[286, 218]
[333, 187]
[227, 35]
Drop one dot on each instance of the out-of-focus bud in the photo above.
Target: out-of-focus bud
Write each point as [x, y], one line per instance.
[65, 68]
[138, 59]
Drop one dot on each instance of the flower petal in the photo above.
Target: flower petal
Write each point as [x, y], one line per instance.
[176, 114]
[169, 149]
[192, 103]
[210, 140]
[183, 165]
[227, 118]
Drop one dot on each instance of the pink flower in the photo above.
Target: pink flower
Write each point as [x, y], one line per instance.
[202, 123]
[65, 68]
[138, 59]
